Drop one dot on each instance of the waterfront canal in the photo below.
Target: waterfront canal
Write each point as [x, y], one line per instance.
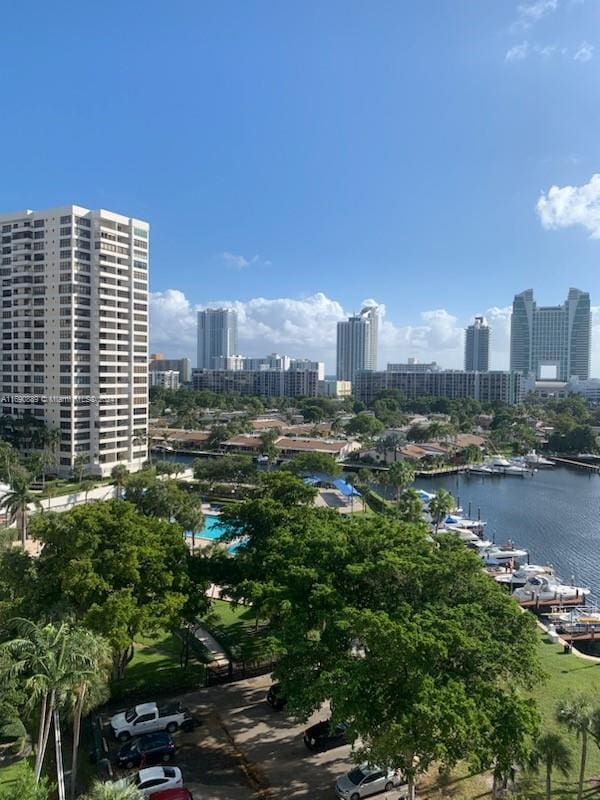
[555, 515]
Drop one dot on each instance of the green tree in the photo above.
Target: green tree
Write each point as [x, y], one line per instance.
[440, 506]
[400, 476]
[364, 425]
[285, 488]
[89, 687]
[191, 519]
[116, 571]
[114, 791]
[9, 459]
[371, 602]
[17, 502]
[86, 487]
[311, 463]
[25, 786]
[410, 506]
[80, 466]
[49, 658]
[119, 474]
[551, 751]
[36, 463]
[577, 714]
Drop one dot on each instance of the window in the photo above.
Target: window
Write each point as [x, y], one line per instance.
[65, 220]
[38, 223]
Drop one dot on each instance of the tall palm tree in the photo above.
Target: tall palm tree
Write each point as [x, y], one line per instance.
[577, 714]
[552, 751]
[119, 475]
[52, 443]
[41, 654]
[17, 501]
[440, 506]
[113, 791]
[400, 475]
[89, 686]
[80, 465]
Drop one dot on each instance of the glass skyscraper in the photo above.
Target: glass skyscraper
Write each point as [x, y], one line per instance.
[217, 336]
[551, 341]
[357, 342]
[477, 346]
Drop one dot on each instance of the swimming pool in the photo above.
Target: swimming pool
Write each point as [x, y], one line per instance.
[213, 529]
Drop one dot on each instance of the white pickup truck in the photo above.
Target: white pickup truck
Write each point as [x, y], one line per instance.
[148, 718]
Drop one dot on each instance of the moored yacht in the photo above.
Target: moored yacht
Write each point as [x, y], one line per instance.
[519, 577]
[503, 554]
[547, 589]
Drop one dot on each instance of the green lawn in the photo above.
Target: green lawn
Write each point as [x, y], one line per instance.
[234, 629]
[155, 669]
[9, 774]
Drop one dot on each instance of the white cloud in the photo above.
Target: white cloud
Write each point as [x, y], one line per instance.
[566, 206]
[307, 327]
[241, 262]
[517, 52]
[585, 52]
[528, 14]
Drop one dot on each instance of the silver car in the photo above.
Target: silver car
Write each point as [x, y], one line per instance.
[364, 781]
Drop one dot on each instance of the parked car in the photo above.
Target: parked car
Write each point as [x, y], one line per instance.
[148, 718]
[155, 779]
[364, 781]
[324, 736]
[275, 697]
[151, 748]
[173, 794]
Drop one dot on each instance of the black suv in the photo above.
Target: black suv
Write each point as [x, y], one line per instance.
[151, 748]
[275, 697]
[323, 736]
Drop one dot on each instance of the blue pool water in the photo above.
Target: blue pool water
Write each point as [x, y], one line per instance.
[213, 529]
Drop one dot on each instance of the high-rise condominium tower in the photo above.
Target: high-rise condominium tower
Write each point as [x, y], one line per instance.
[75, 331]
[357, 341]
[477, 346]
[217, 336]
[551, 341]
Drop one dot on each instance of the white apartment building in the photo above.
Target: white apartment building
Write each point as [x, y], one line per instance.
[217, 336]
[357, 343]
[75, 331]
[167, 378]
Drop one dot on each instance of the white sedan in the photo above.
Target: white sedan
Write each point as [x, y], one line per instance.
[364, 781]
[155, 779]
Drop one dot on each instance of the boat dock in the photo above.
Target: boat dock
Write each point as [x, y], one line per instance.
[535, 603]
[582, 465]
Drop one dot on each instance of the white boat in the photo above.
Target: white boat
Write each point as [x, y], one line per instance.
[480, 469]
[503, 466]
[547, 588]
[454, 520]
[577, 620]
[503, 553]
[537, 461]
[518, 577]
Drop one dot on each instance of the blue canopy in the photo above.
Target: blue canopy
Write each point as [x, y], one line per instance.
[312, 480]
[452, 520]
[345, 488]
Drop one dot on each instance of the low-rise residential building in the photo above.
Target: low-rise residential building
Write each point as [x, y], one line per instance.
[334, 388]
[182, 365]
[168, 378]
[289, 446]
[495, 386]
[258, 383]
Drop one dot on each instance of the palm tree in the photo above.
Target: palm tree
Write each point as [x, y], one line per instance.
[119, 475]
[42, 654]
[17, 501]
[191, 519]
[577, 715]
[552, 751]
[90, 686]
[86, 486]
[440, 506]
[400, 475]
[80, 465]
[113, 791]
[410, 506]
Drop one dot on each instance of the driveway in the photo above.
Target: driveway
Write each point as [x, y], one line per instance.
[245, 749]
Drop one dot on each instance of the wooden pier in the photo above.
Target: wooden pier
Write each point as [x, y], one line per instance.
[555, 602]
[582, 465]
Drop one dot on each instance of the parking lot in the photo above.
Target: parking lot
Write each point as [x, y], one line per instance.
[245, 749]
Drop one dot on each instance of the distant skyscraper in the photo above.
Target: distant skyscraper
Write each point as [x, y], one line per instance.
[357, 341]
[217, 335]
[477, 346]
[552, 339]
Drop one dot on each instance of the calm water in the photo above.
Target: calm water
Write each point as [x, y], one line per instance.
[555, 515]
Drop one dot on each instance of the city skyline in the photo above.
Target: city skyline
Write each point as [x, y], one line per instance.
[345, 153]
[297, 331]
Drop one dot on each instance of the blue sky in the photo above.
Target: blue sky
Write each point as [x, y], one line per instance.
[300, 157]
